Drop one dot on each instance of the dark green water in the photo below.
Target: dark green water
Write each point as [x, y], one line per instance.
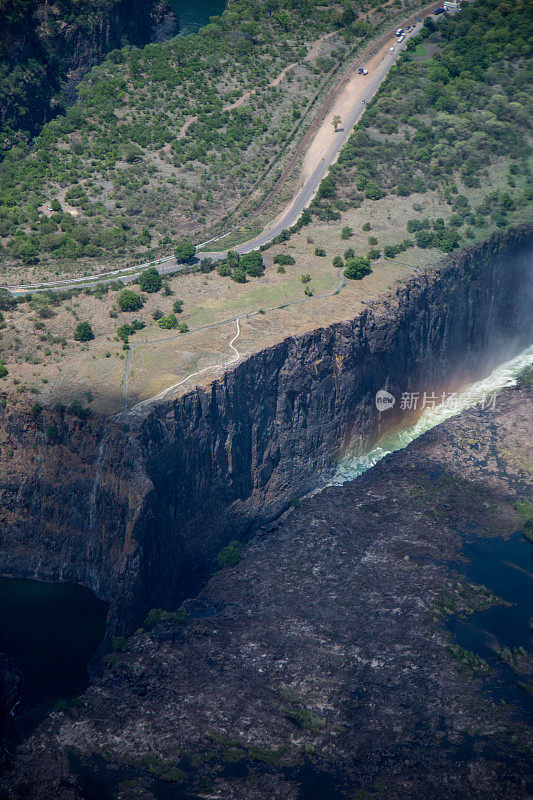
[194, 15]
[505, 566]
[50, 632]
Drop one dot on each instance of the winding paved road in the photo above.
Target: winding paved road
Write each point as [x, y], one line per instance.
[301, 200]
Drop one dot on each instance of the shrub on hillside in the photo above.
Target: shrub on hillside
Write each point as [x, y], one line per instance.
[185, 252]
[284, 260]
[150, 280]
[229, 555]
[129, 301]
[252, 264]
[83, 332]
[357, 268]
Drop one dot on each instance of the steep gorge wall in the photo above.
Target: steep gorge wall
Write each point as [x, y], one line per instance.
[137, 511]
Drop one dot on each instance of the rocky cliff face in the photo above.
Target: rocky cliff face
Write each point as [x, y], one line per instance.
[46, 48]
[136, 508]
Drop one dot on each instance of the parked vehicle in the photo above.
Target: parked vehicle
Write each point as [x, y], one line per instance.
[391, 50]
[360, 70]
[401, 38]
[399, 32]
[438, 11]
[365, 72]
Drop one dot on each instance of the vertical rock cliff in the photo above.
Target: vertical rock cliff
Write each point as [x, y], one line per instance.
[137, 507]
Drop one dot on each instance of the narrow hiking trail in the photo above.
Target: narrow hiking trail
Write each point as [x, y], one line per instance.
[142, 404]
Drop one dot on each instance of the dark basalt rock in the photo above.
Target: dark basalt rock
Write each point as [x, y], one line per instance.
[10, 693]
[138, 515]
[325, 670]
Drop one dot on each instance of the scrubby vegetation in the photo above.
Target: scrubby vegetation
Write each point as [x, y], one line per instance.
[41, 42]
[357, 268]
[472, 664]
[524, 509]
[438, 122]
[165, 139]
[83, 332]
[129, 300]
[229, 556]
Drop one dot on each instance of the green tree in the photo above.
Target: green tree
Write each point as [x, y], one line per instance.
[223, 269]
[150, 280]
[424, 239]
[129, 301]
[206, 265]
[252, 264]
[346, 232]
[27, 251]
[337, 262]
[373, 192]
[177, 306]
[185, 252]
[284, 259]
[83, 332]
[168, 322]
[7, 301]
[357, 268]
[233, 258]
[238, 275]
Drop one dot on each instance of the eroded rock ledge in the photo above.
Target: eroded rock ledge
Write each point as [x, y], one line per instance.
[136, 509]
[319, 667]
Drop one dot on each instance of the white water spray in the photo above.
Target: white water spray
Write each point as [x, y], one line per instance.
[481, 392]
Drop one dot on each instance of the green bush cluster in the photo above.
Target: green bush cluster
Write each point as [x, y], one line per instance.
[128, 329]
[284, 259]
[83, 332]
[443, 120]
[129, 300]
[229, 556]
[170, 322]
[357, 268]
[240, 267]
[159, 615]
[178, 151]
[392, 250]
[150, 280]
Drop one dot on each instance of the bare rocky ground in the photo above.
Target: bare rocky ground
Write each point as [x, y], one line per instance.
[318, 667]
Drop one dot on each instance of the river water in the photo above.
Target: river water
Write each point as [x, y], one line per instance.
[51, 631]
[194, 15]
[503, 564]
[504, 376]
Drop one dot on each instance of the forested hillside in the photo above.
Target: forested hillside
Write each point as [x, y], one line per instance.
[167, 139]
[459, 100]
[46, 48]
